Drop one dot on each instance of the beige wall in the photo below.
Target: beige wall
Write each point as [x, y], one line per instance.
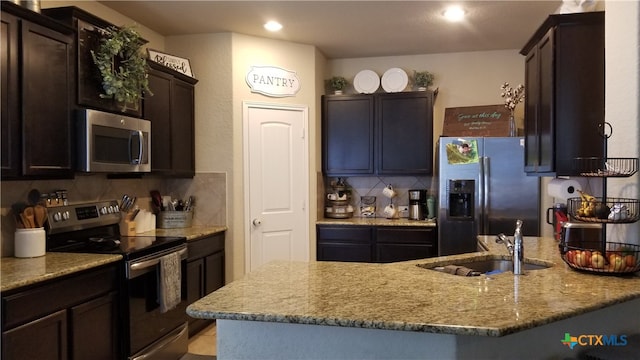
[248, 51]
[156, 41]
[622, 103]
[463, 79]
[221, 62]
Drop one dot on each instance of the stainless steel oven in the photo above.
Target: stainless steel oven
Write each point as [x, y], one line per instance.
[147, 330]
[154, 334]
[113, 143]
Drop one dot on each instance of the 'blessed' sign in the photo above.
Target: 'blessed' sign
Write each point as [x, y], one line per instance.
[273, 81]
[172, 62]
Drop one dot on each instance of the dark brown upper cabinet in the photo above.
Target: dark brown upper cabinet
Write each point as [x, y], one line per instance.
[377, 134]
[37, 115]
[171, 112]
[87, 76]
[564, 93]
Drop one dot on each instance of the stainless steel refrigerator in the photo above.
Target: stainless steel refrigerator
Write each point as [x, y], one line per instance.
[483, 190]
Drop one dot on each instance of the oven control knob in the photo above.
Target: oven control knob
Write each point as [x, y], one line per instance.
[65, 215]
[57, 216]
[103, 210]
[116, 208]
[111, 209]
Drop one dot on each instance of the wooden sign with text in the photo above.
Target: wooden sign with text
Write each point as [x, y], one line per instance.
[486, 120]
[176, 63]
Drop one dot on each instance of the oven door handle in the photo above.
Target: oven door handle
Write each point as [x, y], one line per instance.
[157, 348]
[138, 267]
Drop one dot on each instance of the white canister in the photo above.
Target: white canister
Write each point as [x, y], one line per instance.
[30, 242]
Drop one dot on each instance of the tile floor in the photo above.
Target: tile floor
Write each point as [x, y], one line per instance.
[204, 343]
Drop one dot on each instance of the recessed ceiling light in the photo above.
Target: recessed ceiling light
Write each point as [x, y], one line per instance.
[454, 13]
[273, 26]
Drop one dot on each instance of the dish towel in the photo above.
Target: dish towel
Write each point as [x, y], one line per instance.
[169, 287]
[460, 270]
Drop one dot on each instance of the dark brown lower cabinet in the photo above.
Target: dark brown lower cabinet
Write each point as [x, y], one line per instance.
[205, 273]
[90, 322]
[375, 243]
[401, 244]
[75, 317]
[344, 243]
[44, 338]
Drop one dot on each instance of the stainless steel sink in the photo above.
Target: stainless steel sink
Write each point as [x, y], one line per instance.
[485, 265]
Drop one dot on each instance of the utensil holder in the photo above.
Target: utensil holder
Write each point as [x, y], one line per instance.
[174, 219]
[29, 243]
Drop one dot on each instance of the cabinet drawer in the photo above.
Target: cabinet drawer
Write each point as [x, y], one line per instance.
[345, 252]
[403, 252]
[406, 235]
[349, 234]
[38, 301]
[202, 247]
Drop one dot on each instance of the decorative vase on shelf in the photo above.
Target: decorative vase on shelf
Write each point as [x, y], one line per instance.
[422, 88]
[337, 92]
[513, 130]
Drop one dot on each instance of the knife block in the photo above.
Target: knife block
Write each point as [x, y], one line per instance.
[127, 227]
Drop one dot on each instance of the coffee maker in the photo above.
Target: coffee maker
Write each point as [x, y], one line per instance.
[417, 204]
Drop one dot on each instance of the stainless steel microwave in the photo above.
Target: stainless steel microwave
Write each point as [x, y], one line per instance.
[113, 143]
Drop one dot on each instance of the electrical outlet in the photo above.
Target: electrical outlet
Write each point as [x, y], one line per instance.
[404, 208]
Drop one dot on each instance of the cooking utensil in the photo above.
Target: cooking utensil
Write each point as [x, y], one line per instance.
[189, 202]
[28, 217]
[17, 209]
[33, 197]
[127, 203]
[134, 214]
[157, 199]
[40, 214]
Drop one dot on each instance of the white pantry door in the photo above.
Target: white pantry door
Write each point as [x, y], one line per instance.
[275, 183]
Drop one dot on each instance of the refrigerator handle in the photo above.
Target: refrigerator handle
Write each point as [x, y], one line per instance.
[484, 195]
[480, 206]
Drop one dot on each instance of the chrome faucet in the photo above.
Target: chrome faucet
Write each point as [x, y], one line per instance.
[515, 248]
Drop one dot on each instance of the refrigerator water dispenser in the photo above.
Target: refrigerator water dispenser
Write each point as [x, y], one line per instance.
[461, 199]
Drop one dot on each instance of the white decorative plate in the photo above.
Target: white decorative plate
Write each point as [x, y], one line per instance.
[394, 80]
[366, 82]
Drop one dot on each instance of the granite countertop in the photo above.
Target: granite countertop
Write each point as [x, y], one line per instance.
[191, 233]
[402, 296]
[18, 272]
[377, 222]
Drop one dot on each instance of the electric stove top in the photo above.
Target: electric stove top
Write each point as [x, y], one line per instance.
[93, 228]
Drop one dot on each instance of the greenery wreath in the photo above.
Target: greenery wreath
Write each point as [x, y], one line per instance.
[122, 65]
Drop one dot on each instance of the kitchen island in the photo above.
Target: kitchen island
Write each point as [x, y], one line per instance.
[399, 310]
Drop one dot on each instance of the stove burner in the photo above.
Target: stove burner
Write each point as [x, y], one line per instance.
[104, 243]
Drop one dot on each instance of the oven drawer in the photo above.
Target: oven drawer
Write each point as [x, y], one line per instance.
[35, 302]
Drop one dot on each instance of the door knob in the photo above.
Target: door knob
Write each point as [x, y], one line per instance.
[257, 222]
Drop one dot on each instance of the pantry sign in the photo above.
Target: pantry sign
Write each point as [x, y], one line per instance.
[273, 81]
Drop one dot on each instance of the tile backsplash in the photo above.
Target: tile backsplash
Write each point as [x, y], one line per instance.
[373, 186]
[208, 189]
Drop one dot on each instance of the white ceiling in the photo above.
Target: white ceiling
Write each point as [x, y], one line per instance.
[352, 29]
